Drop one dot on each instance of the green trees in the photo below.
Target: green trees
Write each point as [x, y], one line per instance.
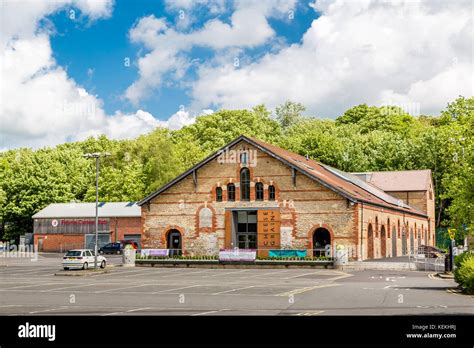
[289, 113]
[364, 138]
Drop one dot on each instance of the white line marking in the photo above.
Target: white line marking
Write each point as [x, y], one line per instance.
[184, 287]
[118, 289]
[301, 290]
[223, 273]
[138, 309]
[301, 275]
[262, 274]
[70, 287]
[209, 312]
[183, 274]
[232, 290]
[28, 286]
[47, 310]
[310, 313]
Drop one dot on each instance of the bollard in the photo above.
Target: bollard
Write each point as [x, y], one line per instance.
[128, 256]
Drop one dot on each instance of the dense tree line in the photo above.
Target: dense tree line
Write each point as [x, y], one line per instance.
[364, 138]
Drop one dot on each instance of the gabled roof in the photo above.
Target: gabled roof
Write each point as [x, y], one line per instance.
[87, 210]
[345, 184]
[404, 180]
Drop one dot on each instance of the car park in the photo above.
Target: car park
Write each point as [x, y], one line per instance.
[82, 258]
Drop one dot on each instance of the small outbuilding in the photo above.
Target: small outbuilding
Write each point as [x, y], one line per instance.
[63, 226]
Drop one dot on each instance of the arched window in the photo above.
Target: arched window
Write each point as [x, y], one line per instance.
[259, 191]
[271, 193]
[245, 184]
[218, 194]
[243, 158]
[231, 192]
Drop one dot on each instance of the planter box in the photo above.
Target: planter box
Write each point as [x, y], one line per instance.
[237, 264]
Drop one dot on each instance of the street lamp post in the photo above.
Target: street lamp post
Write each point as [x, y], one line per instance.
[97, 156]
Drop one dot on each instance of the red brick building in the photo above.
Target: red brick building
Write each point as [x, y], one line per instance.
[253, 195]
[63, 226]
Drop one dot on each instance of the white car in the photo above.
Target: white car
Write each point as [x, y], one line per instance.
[82, 258]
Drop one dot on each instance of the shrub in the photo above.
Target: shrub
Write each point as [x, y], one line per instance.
[461, 257]
[464, 274]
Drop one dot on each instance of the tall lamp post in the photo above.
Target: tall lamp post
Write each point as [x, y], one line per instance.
[97, 156]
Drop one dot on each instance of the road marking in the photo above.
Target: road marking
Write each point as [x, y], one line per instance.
[150, 273]
[121, 273]
[389, 286]
[301, 290]
[70, 287]
[184, 274]
[302, 275]
[138, 309]
[222, 273]
[48, 310]
[184, 287]
[232, 290]
[28, 286]
[310, 313]
[209, 312]
[118, 289]
[262, 274]
[342, 275]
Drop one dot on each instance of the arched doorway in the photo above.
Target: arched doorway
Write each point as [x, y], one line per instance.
[412, 242]
[321, 238]
[173, 242]
[370, 242]
[383, 242]
[394, 242]
[404, 241]
[419, 239]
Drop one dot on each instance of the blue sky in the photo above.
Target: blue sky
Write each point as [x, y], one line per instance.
[102, 46]
[65, 79]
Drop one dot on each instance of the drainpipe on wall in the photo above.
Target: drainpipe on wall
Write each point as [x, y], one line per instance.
[361, 230]
[116, 224]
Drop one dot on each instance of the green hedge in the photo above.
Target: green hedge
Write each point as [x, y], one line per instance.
[295, 258]
[464, 272]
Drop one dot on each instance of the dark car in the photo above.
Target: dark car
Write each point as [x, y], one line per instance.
[431, 251]
[131, 242]
[111, 248]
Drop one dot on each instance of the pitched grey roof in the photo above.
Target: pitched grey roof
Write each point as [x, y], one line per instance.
[403, 180]
[87, 210]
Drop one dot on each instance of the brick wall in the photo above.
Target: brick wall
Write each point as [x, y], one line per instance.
[119, 227]
[303, 207]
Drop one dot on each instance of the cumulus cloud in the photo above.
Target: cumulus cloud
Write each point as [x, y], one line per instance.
[356, 52]
[248, 28]
[367, 51]
[40, 104]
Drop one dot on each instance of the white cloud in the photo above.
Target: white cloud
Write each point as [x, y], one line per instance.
[40, 104]
[356, 52]
[248, 28]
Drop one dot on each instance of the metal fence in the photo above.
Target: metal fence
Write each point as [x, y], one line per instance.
[424, 261]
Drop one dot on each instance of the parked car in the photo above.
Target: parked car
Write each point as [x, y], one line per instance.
[431, 251]
[111, 248]
[82, 258]
[131, 242]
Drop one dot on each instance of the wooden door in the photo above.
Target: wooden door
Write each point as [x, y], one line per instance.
[268, 231]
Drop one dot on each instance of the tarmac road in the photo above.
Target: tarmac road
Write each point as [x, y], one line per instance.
[29, 288]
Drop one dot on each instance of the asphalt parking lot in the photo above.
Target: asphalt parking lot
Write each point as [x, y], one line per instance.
[29, 288]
